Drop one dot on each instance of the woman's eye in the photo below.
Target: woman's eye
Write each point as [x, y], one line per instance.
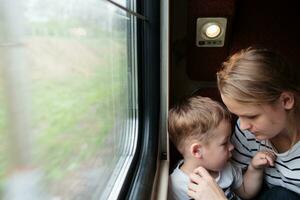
[252, 117]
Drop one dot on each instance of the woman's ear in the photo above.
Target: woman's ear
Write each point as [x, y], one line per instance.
[196, 150]
[287, 100]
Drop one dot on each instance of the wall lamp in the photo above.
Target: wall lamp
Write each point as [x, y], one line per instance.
[210, 32]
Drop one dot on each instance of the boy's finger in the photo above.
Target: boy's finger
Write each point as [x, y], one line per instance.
[261, 162]
[271, 154]
[270, 160]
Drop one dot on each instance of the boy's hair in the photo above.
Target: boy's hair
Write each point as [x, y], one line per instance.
[194, 118]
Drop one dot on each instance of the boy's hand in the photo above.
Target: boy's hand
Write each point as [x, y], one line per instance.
[263, 159]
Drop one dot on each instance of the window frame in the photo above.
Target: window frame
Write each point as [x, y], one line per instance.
[148, 55]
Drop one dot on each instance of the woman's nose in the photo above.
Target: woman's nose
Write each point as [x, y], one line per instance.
[231, 147]
[244, 125]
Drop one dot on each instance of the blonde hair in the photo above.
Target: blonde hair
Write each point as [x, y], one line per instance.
[258, 76]
[194, 118]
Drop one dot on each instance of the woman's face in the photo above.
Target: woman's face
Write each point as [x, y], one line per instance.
[265, 121]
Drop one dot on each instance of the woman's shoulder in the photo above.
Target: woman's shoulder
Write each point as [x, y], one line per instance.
[293, 153]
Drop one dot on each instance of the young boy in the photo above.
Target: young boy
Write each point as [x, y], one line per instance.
[201, 129]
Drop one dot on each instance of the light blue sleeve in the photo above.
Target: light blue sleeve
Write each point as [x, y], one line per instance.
[238, 177]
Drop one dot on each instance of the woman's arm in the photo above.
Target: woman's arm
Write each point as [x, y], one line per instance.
[203, 186]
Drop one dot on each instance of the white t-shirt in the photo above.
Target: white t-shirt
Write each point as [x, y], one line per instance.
[229, 178]
[285, 173]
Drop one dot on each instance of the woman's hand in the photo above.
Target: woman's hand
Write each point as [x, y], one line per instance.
[203, 186]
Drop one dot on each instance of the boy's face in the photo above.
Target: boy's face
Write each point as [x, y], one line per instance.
[217, 151]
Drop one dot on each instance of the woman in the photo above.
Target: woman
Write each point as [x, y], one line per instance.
[264, 92]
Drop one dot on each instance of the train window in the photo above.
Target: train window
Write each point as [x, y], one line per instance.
[70, 88]
[3, 136]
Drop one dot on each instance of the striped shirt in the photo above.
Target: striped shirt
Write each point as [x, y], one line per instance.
[285, 173]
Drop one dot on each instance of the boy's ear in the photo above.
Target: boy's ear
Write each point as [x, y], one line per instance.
[287, 100]
[196, 150]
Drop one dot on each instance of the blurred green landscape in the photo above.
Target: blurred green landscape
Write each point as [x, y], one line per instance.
[74, 79]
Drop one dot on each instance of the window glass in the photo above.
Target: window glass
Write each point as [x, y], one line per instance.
[80, 62]
[3, 133]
